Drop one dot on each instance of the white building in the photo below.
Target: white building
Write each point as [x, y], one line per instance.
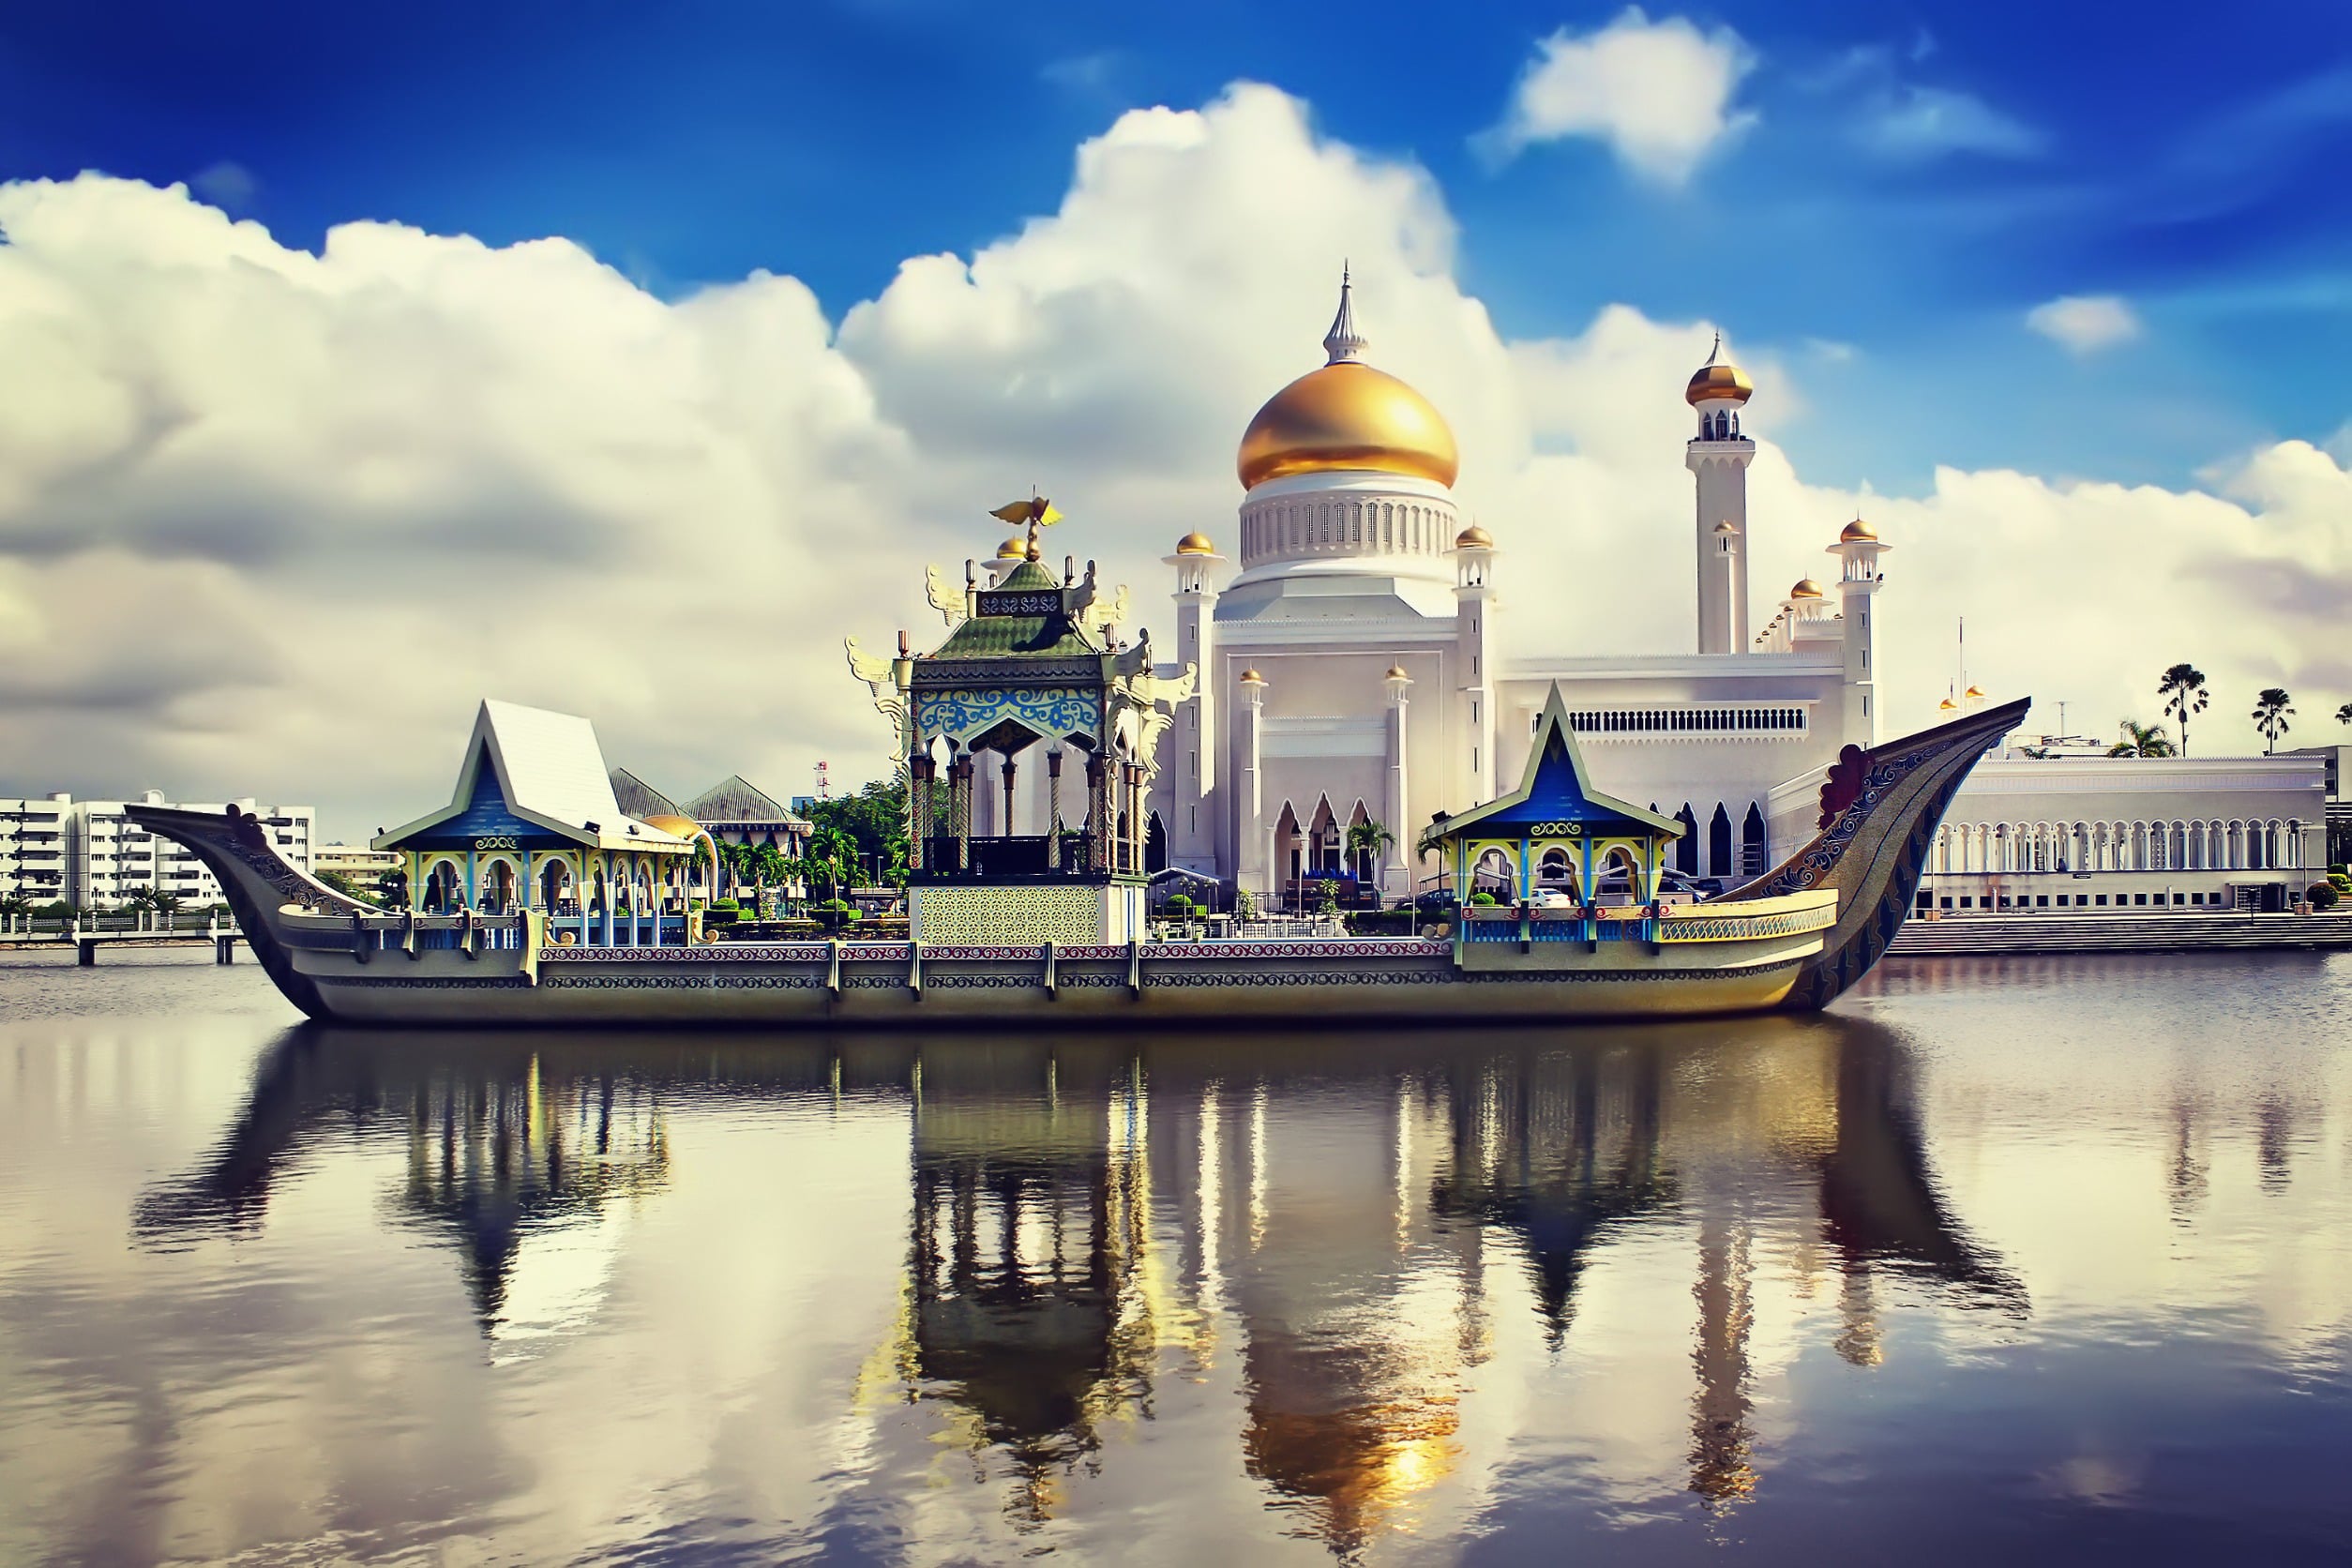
[1363, 665]
[33, 848]
[109, 857]
[2076, 833]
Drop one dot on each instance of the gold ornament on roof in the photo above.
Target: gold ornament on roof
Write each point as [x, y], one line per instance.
[1856, 530]
[1036, 511]
[1473, 538]
[1806, 589]
[1195, 544]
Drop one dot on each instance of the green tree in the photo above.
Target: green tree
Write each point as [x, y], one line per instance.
[871, 818]
[2271, 713]
[2182, 687]
[2141, 740]
[1365, 840]
[2343, 715]
[833, 855]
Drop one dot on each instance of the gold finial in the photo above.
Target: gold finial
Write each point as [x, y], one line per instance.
[1036, 511]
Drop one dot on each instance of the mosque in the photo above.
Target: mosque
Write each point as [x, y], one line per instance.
[1365, 663]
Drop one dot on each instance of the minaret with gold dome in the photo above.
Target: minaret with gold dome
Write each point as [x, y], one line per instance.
[1719, 456]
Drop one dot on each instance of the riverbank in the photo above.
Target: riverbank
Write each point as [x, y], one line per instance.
[2068, 932]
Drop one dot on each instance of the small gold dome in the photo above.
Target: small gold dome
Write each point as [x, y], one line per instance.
[1856, 530]
[1397, 673]
[1976, 691]
[1251, 677]
[1014, 548]
[1718, 378]
[1195, 544]
[1806, 589]
[1347, 415]
[677, 827]
[1946, 705]
[1473, 538]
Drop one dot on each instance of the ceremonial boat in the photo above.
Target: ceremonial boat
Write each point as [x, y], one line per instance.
[534, 818]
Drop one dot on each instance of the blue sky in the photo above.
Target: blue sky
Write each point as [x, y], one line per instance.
[1914, 180]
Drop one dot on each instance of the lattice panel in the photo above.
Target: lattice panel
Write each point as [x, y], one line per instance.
[1012, 915]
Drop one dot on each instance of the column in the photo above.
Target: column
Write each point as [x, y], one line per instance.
[919, 771]
[959, 808]
[1053, 809]
[1396, 858]
[1006, 831]
[1252, 853]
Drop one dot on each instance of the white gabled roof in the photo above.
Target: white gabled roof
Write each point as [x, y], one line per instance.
[551, 771]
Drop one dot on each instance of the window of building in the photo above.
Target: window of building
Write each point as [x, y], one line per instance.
[1947, 903]
[1967, 903]
[2041, 901]
[2103, 900]
[2140, 900]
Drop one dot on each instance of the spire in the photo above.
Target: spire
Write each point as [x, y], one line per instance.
[1343, 342]
[1716, 353]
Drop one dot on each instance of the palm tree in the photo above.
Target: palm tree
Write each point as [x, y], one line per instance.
[830, 854]
[1365, 840]
[2343, 715]
[2141, 740]
[2270, 716]
[2182, 687]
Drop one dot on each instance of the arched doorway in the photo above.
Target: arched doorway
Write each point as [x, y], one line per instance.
[1719, 842]
[1752, 844]
[555, 887]
[1155, 844]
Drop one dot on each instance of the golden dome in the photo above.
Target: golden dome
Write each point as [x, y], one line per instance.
[1976, 691]
[677, 827]
[1251, 677]
[1347, 415]
[1195, 544]
[1806, 589]
[1856, 530]
[1946, 705]
[1014, 548]
[1397, 673]
[1473, 538]
[1718, 378]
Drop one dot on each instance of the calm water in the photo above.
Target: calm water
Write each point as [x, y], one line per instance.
[2030, 1262]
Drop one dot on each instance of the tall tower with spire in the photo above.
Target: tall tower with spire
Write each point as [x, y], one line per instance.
[1718, 456]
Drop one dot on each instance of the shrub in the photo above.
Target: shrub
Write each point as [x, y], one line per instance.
[2323, 895]
[2340, 870]
[1483, 899]
[1179, 907]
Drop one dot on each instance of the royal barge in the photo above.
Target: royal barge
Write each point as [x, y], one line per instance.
[520, 823]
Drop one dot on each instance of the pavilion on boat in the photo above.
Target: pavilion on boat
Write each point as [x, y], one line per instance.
[1563, 861]
[533, 825]
[1029, 736]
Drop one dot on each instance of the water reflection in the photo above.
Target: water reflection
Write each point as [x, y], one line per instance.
[1348, 1232]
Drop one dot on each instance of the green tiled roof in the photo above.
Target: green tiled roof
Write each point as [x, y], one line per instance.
[996, 636]
[1029, 574]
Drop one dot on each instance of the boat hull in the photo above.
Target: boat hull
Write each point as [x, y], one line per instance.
[1793, 939]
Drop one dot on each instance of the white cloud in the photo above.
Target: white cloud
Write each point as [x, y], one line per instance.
[271, 522]
[1659, 92]
[1917, 122]
[2085, 323]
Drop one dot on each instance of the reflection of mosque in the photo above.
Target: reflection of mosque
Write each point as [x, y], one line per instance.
[1330, 1225]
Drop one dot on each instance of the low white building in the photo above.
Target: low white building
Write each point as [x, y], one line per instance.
[33, 848]
[110, 858]
[2067, 832]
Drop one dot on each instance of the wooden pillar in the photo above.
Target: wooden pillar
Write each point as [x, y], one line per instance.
[919, 771]
[1053, 809]
[959, 808]
[1008, 796]
[1097, 813]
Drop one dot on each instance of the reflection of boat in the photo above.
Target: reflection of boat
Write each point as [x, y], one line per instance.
[1795, 938]
[1094, 1225]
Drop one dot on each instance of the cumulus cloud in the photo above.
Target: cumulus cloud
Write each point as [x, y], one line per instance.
[271, 522]
[2085, 323]
[1659, 92]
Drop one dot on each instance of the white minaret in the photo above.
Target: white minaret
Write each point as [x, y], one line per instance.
[1859, 580]
[1473, 631]
[1254, 851]
[1192, 770]
[1719, 456]
[1396, 861]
